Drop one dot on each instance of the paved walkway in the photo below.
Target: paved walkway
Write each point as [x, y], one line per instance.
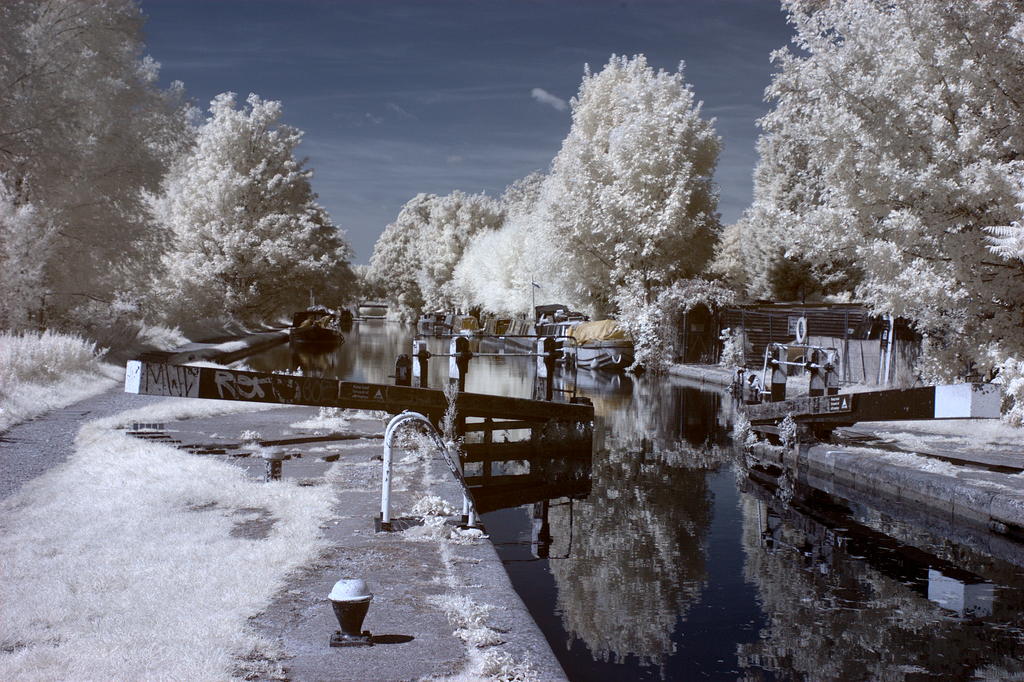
[413, 636]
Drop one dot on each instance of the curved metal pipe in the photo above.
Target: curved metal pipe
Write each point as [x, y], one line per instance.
[469, 505]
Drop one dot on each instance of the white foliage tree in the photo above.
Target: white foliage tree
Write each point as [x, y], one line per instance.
[84, 133]
[454, 220]
[1007, 241]
[630, 194]
[249, 239]
[397, 259]
[25, 248]
[415, 258]
[896, 140]
[505, 270]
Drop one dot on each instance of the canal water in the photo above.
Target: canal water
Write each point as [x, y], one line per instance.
[677, 560]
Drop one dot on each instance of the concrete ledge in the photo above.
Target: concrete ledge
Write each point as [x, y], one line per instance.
[966, 497]
[229, 351]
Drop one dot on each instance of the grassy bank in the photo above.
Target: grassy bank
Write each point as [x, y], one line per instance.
[137, 561]
[134, 560]
[48, 371]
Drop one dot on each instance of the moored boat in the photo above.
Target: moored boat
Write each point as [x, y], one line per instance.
[448, 324]
[602, 344]
[316, 327]
[431, 323]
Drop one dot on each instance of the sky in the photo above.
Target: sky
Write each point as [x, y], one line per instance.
[398, 98]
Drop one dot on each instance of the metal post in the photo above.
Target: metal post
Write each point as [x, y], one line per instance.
[458, 363]
[547, 356]
[831, 371]
[420, 356]
[743, 326]
[453, 466]
[891, 326]
[816, 387]
[686, 331]
[274, 460]
[779, 373]
[846, 346]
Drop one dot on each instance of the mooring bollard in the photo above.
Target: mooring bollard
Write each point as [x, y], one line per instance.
[351, 599]
[816, 384]
[548, 354]
[274, 460]
[831, 371]
[458, 363]
[403, 370]
[778, 365]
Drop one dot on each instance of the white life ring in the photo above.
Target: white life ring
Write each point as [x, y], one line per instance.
[801, 329]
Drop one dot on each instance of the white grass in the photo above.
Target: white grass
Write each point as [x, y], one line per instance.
[971, 432]
[338, 420]
[43, 372]
[433, 505]
[327, 419]
[121, 563]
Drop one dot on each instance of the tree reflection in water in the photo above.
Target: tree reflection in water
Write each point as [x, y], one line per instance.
[637, 554]
[849, 602]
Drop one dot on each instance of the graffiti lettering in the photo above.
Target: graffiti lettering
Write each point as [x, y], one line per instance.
[183, 381]
[236, 386]
[225, 381]
[286, 389]
[312, 391]
[249, 388]
[173, 380]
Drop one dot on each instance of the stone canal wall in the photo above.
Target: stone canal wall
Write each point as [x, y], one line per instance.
[980, 487]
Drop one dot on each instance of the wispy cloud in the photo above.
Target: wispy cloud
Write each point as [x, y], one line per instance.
[400, 111]
[545, 97]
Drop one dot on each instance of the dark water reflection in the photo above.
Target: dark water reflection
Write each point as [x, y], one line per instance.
[680, 564]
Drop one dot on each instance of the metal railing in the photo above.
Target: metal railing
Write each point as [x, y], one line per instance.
[468, 504]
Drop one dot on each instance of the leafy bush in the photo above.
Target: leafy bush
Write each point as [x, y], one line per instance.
[1011, 376]
[654, 326]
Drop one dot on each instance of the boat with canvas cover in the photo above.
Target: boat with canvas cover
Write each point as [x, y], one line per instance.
[602, 344]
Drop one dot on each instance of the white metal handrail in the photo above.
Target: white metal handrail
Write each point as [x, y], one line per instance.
[468, 504]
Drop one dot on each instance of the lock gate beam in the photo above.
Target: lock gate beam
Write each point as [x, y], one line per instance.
[217, 383]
